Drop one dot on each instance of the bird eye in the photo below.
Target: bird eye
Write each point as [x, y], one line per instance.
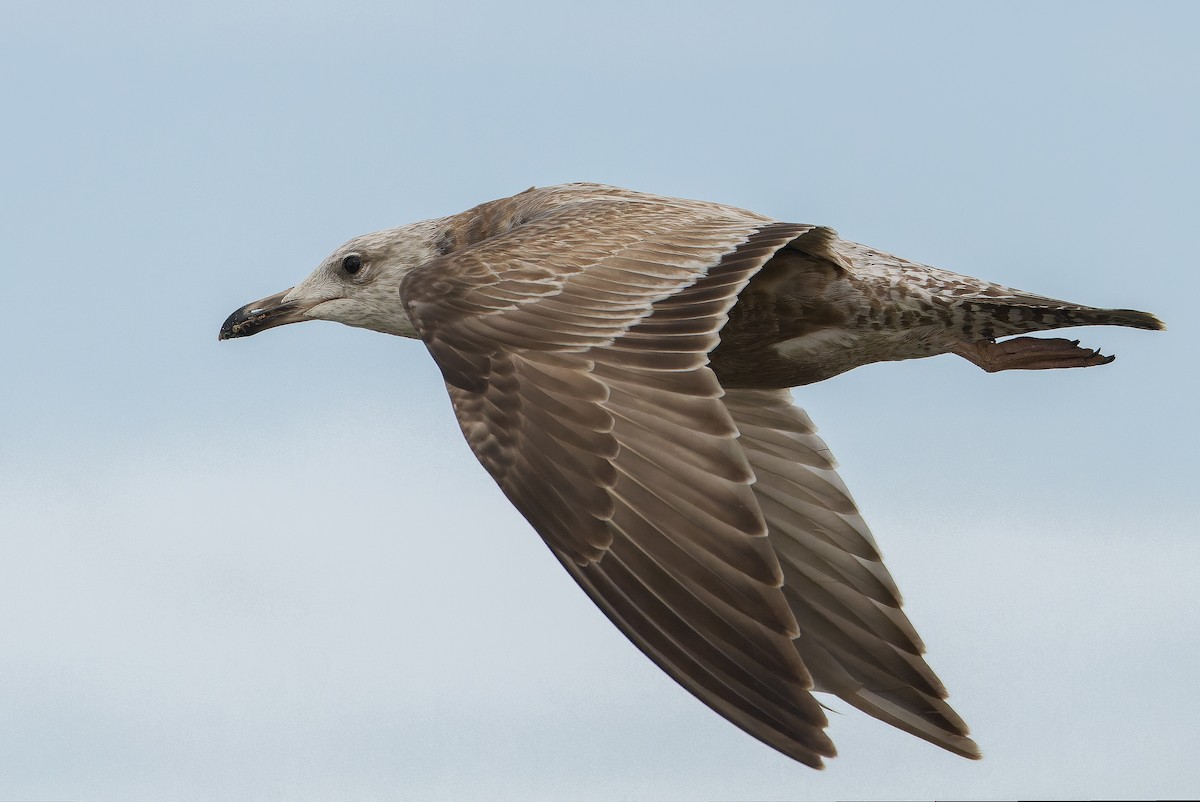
[352, 263]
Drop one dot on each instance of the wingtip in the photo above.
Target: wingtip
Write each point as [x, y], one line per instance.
[813, 758]
[964, 747]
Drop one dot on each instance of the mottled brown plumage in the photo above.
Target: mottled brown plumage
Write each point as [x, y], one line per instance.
[619, 363]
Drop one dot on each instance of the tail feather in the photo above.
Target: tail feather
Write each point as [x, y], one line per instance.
[1120, 317]
[989, 319]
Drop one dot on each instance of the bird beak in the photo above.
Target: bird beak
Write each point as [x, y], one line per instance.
[268, 313]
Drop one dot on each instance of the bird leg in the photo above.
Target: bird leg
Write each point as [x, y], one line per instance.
[1030, 353]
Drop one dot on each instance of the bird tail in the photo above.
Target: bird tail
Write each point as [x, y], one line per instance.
[1003, 317]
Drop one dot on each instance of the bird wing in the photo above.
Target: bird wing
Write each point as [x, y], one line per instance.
[855, 640]
[574, 348]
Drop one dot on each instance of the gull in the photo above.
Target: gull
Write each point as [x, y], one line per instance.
[620, 363]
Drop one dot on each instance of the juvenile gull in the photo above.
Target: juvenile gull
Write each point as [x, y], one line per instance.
[619, 362]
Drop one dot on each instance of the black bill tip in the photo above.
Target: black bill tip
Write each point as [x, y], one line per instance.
[259, 315]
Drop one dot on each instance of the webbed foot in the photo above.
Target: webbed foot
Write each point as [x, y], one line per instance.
[1031, 353]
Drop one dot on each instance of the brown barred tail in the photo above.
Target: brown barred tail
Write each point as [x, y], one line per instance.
[1121, 317]
[987, 320]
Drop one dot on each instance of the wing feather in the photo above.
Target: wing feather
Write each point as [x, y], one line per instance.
[855, 639]
[579, 376]
[573, 333]
[795, 729]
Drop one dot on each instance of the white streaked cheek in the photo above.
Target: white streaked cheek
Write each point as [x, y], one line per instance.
[339, 310]
[365, 315]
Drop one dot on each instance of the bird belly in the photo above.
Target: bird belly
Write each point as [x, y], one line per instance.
[822, 354]
[828, 352]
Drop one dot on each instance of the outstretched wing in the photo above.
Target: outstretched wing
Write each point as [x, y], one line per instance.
[574, 349]
[855, 640]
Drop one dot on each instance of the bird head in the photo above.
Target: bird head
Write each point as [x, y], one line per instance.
[358, 285]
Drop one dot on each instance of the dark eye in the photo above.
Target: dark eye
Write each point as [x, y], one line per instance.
[352, 263]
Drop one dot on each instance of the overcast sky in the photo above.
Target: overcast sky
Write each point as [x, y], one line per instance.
[271, 569]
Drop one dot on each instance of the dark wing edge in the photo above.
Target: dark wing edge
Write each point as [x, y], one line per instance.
[855, 639]
[593, 408]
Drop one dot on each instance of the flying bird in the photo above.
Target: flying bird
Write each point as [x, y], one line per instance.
[620, 363]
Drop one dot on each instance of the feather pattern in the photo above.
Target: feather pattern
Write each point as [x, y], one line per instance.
[618, 362]
[614, 442]
[854, 638]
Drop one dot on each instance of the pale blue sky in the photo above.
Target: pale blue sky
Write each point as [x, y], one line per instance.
[270, 569]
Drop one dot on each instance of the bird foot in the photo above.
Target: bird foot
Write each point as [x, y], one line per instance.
[1031, 353]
